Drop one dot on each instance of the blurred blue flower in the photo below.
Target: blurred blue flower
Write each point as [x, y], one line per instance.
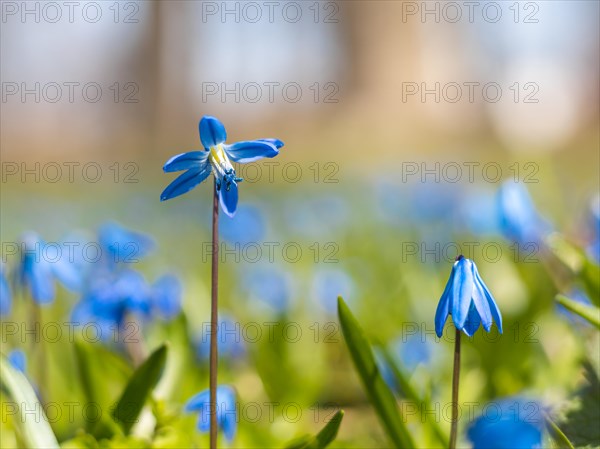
[328, 284]
[5, 294]
[18, 360]
[408, 352]
[133, 292]
[216, 157]
[40, 266]
[269, 285]
[166, 296]
[108, 299]
[123, 245]
[468, 300]
[436, 201]
[509, 423]
[412, 350]
[248, 226]
[519, 220]
[230, 342]
[479, 213]
[386, 372]
[226, 411]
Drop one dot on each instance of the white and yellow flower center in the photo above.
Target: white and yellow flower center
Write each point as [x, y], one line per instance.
[220, 162]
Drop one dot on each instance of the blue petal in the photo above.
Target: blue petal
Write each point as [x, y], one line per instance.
[481, 303]
[203, 423]
[185, 161]
[186, 182]
[278, 143]
[197, 402]
[212, 132]
[509, 423]
[490, 299]
[41, 282]
[228, 197]
[67, 273]
[166, 296]
[226, 411]
[473, 321]
[462, 292]
[250, 151]
[124, 245]
[443, 308]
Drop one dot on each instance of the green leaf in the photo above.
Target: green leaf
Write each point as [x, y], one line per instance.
[581, 419]
[326, 436]
[139, 387]
[381, 397]
[588, 312]
[92, 360]
[323, 439]
[36, 431]
[300, 442]
[557, 435]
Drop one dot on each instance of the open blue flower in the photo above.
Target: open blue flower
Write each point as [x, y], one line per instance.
[216, 157]
[468, 300]
[226, 410]
[509, 423]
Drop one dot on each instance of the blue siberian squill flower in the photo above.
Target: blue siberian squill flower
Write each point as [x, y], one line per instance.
[328, 284]
[5, 294]
[40, 266]
[217, 157]
[519, 220]
[509, 423]
[123, 245]
[226, 411]
[413, 350]
[268, 285]
[110, 297]
[468, 300]
[166, 296]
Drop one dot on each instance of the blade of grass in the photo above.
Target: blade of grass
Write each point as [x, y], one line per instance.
[139, 387]
[35, 428]
[587, 312]
[557, 435]
[380, 395]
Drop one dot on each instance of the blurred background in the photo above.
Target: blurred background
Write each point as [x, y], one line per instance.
[401, 120]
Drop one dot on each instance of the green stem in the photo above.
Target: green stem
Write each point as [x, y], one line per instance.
[214, 319]
[455, 378]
